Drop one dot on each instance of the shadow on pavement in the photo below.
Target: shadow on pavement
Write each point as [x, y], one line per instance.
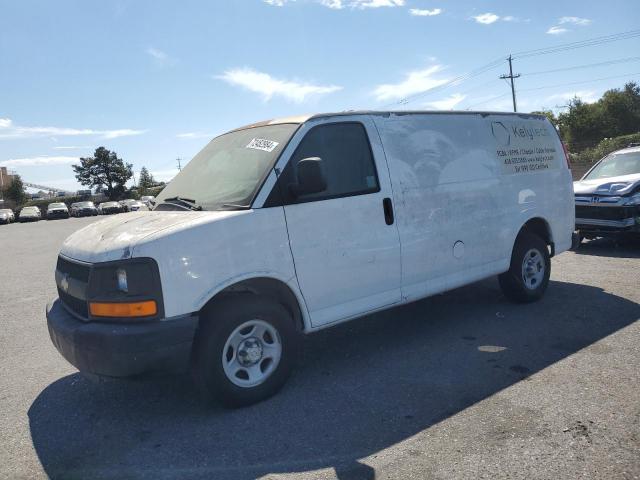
[624, 247]
[362, 387]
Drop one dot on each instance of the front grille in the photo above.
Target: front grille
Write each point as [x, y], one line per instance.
[78, 273]
[604, 213]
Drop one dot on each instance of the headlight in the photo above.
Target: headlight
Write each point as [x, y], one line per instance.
[633, 199]
[125, 289]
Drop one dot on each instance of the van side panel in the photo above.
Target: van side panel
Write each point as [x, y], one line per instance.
[459, 205]
[449, 205]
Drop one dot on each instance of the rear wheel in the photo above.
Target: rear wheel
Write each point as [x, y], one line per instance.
[245, 350]
[528, 274]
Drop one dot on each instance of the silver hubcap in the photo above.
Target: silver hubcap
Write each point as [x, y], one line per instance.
[533, 269]
[251, 353]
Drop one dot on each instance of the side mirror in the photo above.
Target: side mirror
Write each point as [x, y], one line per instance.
[311, 177]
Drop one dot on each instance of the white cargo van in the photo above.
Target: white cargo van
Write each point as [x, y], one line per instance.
[288, 226]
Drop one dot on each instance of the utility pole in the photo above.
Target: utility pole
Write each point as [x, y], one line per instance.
[179, 166]
[511, 76]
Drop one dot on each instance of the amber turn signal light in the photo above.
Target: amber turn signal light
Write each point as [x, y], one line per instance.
[136, 309]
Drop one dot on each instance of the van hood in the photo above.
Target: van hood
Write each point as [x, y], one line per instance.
[621, 185]
[114, 238]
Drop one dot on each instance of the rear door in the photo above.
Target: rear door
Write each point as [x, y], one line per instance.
[345, 245]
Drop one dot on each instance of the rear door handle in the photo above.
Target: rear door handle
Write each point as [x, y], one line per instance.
[387, 206]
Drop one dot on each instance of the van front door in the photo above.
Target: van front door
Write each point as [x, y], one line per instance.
[344, 242]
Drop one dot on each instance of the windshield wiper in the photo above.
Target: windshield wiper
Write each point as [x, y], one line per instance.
[187, 203]
[237, 207]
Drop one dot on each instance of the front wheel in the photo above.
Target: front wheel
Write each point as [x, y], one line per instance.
[245, 350]
[528, 274]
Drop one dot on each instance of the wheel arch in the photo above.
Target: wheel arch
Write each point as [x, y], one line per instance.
[540, 227]
[268, 286]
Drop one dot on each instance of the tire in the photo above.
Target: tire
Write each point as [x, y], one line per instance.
[215, 357]
[528, 275]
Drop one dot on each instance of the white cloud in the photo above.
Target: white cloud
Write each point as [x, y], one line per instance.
[575, 21]
[9, 130]
[486, 18]
[334, 4]
[587, 96]
[447, 103]
[340, 4]
[269, 86]
[72, 147]
[556, 30]
[489, 18]
[160, 57]
[416, 12]
[38, 161]
[194, 135]
[124, 132]
[414, 82]
[375, 3]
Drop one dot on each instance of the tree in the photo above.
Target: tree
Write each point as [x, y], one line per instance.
[15, 191]
[104, 170]
[617, 113]
[550, 115]
[146, 181]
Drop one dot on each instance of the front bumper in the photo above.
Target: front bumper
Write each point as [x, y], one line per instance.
[58, 214]
[86, 213]
[607, 219]
[121, 350]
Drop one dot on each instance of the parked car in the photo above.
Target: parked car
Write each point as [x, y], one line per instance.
[7, 216]
[30, 214]
[131, 205]
[607, 197]
[57, 210]
[148, 200]
[109, 208]
[287, 227]
[83, 209]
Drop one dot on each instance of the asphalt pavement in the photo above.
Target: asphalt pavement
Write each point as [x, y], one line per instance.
[460, 385]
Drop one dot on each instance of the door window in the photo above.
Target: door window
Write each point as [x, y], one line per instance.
[346, 157]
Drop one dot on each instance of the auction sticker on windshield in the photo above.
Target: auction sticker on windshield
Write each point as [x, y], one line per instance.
[262, 144]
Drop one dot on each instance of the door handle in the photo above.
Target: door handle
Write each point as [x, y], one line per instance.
[387, 206]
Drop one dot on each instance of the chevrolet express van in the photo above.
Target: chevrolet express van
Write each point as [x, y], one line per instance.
[285, 227]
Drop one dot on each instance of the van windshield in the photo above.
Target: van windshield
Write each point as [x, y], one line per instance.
[227, 173]
[616, 165]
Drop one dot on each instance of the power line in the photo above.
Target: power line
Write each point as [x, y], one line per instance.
[486, 101]
[579, 44]
[588, 65]
[497, 97]
[454, 81]
[580, 82]
[523, 54]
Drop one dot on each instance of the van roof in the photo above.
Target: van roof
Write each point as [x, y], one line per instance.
[304, 118]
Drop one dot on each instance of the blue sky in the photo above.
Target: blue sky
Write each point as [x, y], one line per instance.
[155, 80]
